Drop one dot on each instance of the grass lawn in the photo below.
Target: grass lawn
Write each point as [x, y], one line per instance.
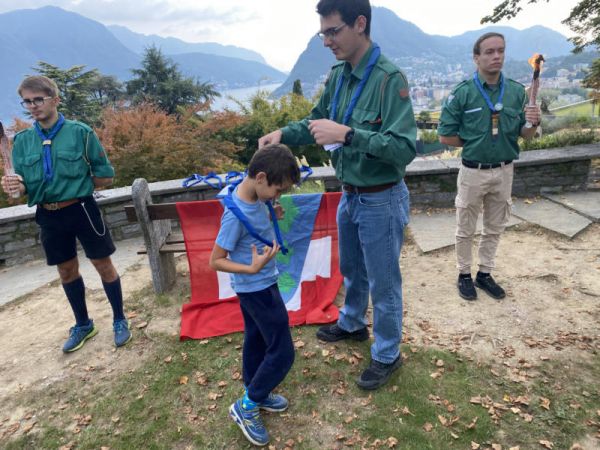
[179, 395]
[585, 109]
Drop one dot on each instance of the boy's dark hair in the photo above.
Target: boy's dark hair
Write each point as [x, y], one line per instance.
[483, 37]
[278, 162]
[39, 83]
[349, 10]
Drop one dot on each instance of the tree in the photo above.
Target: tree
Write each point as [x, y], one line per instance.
[592, 81]
[424, 116]
[584, 20]
[106, 89]
[75, 91]
[160, 82]
[297, 89]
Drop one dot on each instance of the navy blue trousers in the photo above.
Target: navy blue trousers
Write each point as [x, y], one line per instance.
[268, 352]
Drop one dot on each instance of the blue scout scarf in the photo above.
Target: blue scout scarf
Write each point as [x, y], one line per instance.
[498, 106]
[237, 212]
[47, 144]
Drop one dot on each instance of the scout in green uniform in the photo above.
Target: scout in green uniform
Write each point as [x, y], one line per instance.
[485, 115]
[365, 119]
[59, 163]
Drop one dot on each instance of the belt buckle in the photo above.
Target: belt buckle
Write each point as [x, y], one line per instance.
[52, 206]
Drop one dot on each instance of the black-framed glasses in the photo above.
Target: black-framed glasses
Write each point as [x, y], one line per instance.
[330, 32]
[36, 101]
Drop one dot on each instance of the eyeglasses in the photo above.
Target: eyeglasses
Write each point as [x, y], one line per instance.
[330, 32]
[37, 101]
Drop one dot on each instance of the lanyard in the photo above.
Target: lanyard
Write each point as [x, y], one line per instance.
[336, 97]
[47, 143]
[498, 106]
[237, 212]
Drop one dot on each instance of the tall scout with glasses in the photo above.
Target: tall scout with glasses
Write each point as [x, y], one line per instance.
[58, 164]
[485, 115]
[365, 119]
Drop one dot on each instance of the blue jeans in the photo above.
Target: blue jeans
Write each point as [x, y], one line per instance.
[371, 233]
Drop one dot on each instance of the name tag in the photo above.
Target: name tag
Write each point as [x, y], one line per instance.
[495, 123]
[473, 110]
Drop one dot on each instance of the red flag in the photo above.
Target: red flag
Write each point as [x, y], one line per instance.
[214, 309]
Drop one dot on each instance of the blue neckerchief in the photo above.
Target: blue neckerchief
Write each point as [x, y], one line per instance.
[47, 144]
[336, 96]
[237, 212]
[485, 95]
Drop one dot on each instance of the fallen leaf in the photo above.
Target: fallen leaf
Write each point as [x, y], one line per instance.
[439, 363]
[115, 419]
[27, 428]
[168, 359]
[222, 384]
[299, 344]
[392, 442]
[454, 435]
[474, 445]
[547, 444]
[141, 325]
[428, 427]
[496, 447]
[545, 403]
[131, 315]
[184, 379]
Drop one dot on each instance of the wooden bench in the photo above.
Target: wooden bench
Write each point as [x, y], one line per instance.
[161, 242]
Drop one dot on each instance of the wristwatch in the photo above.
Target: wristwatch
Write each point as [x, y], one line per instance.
[348, 138]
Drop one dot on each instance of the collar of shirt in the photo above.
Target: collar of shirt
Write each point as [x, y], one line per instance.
[359, 70]
[491, 87]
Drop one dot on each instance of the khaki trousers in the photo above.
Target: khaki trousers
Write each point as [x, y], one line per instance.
[489, 189]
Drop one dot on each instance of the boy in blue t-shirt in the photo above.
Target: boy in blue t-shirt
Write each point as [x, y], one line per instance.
[268, 352]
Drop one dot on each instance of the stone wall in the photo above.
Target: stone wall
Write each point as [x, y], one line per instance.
[431, 183]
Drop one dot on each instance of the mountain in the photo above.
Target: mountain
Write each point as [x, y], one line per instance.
[226, 72]
[137, 43]
[421, 54]
[66, 39]
[60, 38]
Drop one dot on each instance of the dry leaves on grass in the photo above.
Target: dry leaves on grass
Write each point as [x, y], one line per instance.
[546, 444]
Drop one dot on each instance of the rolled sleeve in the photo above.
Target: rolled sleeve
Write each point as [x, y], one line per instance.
[97, 158]
[450, 117]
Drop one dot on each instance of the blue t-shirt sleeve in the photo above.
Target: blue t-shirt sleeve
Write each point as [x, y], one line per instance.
[231, 231]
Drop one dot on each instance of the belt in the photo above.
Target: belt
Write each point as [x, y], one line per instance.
[366, 189]
[484, 166]
[59, 205]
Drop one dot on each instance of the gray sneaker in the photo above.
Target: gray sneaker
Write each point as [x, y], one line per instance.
[377, 374]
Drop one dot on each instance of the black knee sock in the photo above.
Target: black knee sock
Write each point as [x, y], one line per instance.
[75, 291]
[115, 297]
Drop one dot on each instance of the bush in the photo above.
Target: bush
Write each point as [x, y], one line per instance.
[559, 123]
[146, 142]
[560, 139]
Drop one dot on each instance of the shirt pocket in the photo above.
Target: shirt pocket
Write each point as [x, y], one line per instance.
[510, 122]
[70, 165]
[33, 172]
[475, 122]
[365, 119]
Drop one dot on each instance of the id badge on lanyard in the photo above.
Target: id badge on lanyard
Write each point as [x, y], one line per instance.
[495, 124]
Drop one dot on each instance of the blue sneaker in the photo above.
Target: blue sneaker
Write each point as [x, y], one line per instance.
[78, 335]
[250, 423]
[274, 403]
[122, 333]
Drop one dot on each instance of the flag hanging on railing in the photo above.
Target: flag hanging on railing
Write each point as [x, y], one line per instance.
[309, 276]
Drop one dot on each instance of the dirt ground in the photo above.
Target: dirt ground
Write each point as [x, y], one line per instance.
[552, 311]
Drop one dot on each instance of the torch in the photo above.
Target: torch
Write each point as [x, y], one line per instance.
[536, 62]
[7, 157]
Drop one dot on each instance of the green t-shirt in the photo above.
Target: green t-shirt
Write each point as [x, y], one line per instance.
[77, 155]
[384, 142]
[466, 114]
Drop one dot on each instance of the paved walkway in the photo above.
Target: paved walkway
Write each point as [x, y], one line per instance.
[567, 214]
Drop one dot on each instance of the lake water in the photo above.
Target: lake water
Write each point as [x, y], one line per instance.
[242, 94]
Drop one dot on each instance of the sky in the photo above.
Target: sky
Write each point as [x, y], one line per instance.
[280, 29]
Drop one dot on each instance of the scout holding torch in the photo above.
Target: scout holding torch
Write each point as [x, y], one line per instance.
[536, 61]
[9, 171]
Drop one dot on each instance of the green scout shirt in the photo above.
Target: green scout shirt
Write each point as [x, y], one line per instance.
[383, 120]
[466, 114]
[77, 155]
